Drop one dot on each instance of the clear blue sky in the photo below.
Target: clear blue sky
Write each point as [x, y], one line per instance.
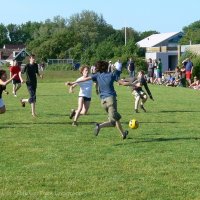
[141, 15]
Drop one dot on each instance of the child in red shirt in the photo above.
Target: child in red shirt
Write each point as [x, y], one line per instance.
[15, 69]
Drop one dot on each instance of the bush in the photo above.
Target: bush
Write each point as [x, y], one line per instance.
[195, 60]
[196, 69]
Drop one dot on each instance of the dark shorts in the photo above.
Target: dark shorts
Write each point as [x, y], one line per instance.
[110, 105]
[150, 73]
[16, 81]
[32, 93]
[86, 98]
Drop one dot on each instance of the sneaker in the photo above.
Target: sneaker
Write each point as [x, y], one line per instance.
[125, 133]
[72, 114]
[142, 107]
[96, 129]
[74, 123]
[136, 110]
[22, 103]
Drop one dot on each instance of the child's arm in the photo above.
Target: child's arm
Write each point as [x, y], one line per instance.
[20, 76]
[127, 83]
[8, 81]
[79, 81]
[72, 87]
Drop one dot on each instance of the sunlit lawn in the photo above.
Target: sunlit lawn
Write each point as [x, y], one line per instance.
[47, 158]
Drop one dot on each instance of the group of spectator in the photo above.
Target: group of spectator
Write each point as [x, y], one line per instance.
[182, 76]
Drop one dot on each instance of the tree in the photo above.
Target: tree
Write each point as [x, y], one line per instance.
[89, 28]
[3, 35]
[146, 34]
[191, 34]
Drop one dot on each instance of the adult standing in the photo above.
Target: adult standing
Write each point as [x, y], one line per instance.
[118, 68]
[159, 71]
[31, 70]
[131, 68]
[188, 69]
[150, 70]
[110, 67]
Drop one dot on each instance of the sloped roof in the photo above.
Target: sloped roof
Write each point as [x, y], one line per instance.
[155, 39]
[20, 56]
[14, 46]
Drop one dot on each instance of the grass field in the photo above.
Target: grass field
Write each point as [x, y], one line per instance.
[47, 158]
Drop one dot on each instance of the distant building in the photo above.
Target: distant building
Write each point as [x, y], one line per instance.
[11, 52]
[164, 46]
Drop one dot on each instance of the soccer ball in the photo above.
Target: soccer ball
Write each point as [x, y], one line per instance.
[133, 123]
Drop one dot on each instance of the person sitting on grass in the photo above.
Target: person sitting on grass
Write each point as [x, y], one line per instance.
[196, 84]
[84, 97]
[3, 83]
[137, 90]
[107, 95]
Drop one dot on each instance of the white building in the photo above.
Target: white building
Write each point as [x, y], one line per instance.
[164, 46]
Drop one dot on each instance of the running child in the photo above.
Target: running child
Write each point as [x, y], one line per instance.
[3, 83]
[108, 97]
[31, 70]
[84, 97]
[15, 69]
[137, 91]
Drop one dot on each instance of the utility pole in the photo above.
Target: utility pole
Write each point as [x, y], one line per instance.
[125, 34]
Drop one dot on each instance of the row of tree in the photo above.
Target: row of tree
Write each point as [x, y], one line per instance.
[85, 37]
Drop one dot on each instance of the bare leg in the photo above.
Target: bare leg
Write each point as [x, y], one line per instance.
[137, 99]
[85, 108]
[33, 109]
[14, 89]
[119, 127]
[80, 106]
[144, 99]
[17, 88]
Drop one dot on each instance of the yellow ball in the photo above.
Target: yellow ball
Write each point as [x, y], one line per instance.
[133, 123]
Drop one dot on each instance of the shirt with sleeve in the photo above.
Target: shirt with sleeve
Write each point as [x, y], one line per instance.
[105, 82]
[31, 70]
[85, 88]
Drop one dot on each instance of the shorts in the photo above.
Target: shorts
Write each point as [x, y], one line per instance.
[158, 74]
[1, 103]
[16, 81]
[32, 93]
[188, 75]
[140, 94]
[110, 105]
[150, 73]
[86, 98]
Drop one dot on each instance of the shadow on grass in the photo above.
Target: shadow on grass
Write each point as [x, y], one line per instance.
[51, 95]
[181, 111]
[157, 122]
[12, 125]
[156, 140]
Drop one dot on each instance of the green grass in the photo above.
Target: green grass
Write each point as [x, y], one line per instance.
[47, 158]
